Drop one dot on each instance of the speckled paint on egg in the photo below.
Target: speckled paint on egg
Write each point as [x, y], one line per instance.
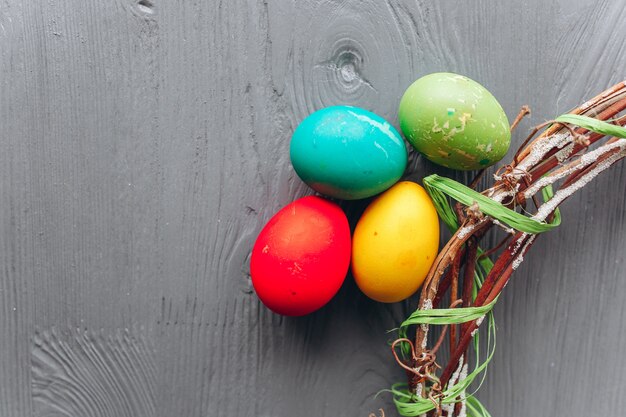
[347, 152]
[454, 121]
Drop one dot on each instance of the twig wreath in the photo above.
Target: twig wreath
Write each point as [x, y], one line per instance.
[555, 164]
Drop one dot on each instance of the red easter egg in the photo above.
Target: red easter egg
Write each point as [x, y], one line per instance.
[301, 256]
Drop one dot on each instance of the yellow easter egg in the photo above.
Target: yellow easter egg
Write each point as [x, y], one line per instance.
[395, 243]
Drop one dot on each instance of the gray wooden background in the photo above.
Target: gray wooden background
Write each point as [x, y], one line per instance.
[143, 144]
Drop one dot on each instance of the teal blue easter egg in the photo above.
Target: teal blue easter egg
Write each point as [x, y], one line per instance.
[347, 152]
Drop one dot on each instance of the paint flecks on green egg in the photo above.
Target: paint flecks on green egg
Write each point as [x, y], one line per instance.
[454, 121]
[347, 152]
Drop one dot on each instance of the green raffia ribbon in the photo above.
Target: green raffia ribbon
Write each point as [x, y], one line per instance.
[592, 124]
[475, 408]
[409, 404]
[438, 186]
[447, 315]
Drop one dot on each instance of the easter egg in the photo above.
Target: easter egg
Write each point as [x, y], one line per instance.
[347, 152]
[301, 257]
[454, 121]
[395, 243]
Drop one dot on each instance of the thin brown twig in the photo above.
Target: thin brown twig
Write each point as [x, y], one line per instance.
[454, 291]
[496, 248]
[524, 111]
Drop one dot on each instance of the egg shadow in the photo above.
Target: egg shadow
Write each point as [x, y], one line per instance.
[350, 311]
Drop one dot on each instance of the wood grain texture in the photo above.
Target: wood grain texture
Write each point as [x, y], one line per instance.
[145, 143]
[79, 373]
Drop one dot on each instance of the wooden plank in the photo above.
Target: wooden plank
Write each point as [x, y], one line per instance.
[145, 143]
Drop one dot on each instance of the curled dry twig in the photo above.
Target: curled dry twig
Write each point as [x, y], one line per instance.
[560, 157]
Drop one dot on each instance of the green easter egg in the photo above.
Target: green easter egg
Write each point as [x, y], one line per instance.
[454, 121]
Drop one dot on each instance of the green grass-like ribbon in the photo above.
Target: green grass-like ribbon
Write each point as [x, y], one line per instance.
[410, 405]
[592, 124]
[447, 315]
[438, 187]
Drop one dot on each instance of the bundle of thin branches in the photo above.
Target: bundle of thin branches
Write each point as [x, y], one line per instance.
[547, 169]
